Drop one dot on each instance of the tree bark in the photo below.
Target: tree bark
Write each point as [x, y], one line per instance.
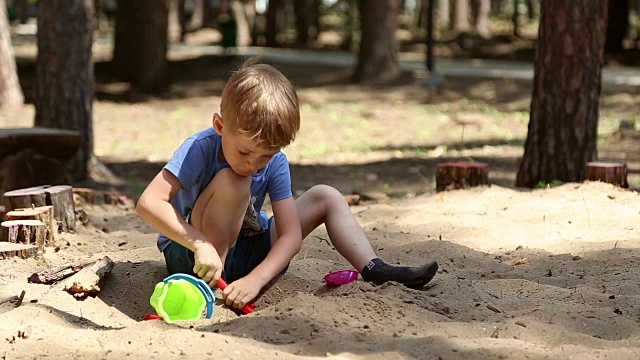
[244, 12]
[612, 172]
[378, 57]
[444, 13]
[275, 21]
[87, 281]
[306, 27]
[9, 250]
[459, 13]
[60, 197]
[43, 214]
[140, 49]
[64, 73]
[197, 15]
[481, 17]
[10, 92]
[175, 20]
[562, 132]
[461, 175]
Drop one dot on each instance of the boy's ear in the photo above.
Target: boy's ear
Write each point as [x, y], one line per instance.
[217, 124]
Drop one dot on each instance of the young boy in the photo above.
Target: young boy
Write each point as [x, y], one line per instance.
[206, 202]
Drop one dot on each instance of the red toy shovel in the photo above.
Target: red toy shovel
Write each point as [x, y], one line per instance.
[247, 309]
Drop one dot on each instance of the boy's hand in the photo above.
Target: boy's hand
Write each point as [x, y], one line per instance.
[208, 265]
[240, 292]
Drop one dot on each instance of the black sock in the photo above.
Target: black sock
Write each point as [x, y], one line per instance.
[379, 272]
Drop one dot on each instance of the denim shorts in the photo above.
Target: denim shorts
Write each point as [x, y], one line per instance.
[244, 256]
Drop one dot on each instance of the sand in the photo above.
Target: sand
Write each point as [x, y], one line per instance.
[524, 274]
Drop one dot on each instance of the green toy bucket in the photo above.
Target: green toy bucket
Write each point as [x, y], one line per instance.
[182, 297]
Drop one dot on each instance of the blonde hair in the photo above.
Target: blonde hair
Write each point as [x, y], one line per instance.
[260, 102]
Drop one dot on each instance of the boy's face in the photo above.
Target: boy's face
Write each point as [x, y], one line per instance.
[243, 154]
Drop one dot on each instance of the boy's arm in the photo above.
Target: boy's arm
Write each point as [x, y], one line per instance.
[154, 206]
[285, 247]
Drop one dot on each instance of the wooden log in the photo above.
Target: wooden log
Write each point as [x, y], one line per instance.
[29, 232]
[41, 213]
[61, 198]
[9, 250]
[461, 175]
[87, 281]
[612, 172]
[52, 276]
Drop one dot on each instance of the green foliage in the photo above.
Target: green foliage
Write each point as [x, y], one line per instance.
[547, 185]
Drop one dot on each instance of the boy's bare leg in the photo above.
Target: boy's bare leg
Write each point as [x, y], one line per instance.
[324, 204]
[220, 209]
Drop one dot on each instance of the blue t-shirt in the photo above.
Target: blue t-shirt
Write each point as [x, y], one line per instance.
[196, 162]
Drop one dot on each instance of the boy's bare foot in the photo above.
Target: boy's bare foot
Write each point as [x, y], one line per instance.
[379, 272]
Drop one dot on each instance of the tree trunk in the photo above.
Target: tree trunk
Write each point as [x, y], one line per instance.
[275, 21]
[444, 13]
[175, 20]
[244, 12]
[515, 18]
[481, 20]
[378, 57]
[10, 92]
[140, 49]
[617, 26]
[197, 15]
[459, 12]
[64, 73]
[566, 96]
[305, 25]
[22, 10]
[531, 9]
[207, 14]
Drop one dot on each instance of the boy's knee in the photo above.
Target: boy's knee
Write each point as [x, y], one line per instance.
[325, 193]
[232, 183]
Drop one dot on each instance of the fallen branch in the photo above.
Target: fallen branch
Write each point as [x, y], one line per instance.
[20, 298]
[87, 281]
[52, 276]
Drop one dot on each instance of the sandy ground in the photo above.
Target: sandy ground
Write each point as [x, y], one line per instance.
[525, 274]
[536, 274]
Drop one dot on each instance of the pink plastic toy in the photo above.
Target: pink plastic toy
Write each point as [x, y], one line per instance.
[341, 277]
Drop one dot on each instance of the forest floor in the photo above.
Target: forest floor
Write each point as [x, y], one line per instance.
[525, 273]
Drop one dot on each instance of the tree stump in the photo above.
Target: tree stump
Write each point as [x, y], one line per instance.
[43, 214]
[461, 175]
[25, 198]
[60, 197]
[88, 196]
[97, 197]
[9, 250]
[113, 198]
[56, 143]
[612, 172]
[29, 232]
